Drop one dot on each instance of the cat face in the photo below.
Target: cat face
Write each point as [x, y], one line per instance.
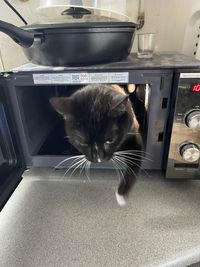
[97, 120]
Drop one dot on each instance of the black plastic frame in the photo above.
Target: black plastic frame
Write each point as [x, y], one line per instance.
[161, 84]
[13, 165]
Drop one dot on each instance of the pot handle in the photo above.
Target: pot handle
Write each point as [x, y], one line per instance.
[22, 37]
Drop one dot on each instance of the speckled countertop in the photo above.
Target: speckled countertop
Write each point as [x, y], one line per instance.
[51, 221]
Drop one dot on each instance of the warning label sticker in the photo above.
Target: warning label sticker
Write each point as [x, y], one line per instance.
[81, 78]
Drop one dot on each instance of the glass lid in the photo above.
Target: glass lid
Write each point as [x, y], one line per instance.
[77, 11]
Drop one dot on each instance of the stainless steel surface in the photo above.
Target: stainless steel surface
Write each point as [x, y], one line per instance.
[185, 130]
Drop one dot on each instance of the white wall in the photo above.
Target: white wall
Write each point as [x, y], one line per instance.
[12, 53]
[167, 18]
[174, 19]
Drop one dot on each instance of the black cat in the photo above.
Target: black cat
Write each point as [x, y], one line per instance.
[97, 120]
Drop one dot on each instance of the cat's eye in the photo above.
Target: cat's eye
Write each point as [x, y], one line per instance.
[83, 144]
[79, 143]
[79, 140]
[108, 142]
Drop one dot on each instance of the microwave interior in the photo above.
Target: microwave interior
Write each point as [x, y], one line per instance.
[47, 142]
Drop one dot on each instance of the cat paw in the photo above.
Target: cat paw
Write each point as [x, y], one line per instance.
[120, 199]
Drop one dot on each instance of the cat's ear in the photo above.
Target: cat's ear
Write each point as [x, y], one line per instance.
[61, 104]
[119, 102]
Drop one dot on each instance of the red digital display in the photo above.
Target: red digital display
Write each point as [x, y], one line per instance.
[196, 87]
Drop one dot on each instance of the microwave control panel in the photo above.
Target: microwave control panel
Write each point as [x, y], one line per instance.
[184, 149]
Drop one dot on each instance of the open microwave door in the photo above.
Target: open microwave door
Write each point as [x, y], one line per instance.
[11, 159]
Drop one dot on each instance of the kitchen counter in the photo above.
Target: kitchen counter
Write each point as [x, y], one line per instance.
[53, 221]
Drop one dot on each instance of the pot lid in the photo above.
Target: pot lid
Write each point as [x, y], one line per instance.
[79, 14]
[76, 11]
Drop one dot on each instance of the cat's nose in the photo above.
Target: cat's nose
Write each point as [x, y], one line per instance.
[101, 155]
[97, 154]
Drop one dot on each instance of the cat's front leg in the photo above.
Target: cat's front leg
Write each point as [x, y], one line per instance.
[127, 182]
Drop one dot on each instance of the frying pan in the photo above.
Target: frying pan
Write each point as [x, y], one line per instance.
[61, 44]
[73, 43]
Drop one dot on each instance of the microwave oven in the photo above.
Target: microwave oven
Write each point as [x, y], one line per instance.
[32, 133]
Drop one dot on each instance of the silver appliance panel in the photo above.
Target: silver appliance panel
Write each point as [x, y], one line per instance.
[184, 149]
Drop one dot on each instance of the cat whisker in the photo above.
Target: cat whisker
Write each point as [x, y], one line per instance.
[133, 157]
[81, 162]
[115, 167]
[119, 163]
[128, 169]
[75, 162]
[135, 151]
[74, 158]
[82, 168]
[132, 153]
[65, 160]
[118, 169]
[131, 163]
[123, 161]
[74, 165]
[87, 170]
[122, 165]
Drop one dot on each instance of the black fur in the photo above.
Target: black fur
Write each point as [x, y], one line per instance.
[97, 120]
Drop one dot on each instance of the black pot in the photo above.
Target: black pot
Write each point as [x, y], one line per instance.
[73, 43]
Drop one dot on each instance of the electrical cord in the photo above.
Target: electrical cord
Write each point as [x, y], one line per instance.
[15, 11]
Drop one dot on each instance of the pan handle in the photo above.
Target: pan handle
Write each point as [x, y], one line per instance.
[22, 37]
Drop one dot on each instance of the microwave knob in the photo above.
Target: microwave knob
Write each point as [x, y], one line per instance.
[193, 120]
[190, 152]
